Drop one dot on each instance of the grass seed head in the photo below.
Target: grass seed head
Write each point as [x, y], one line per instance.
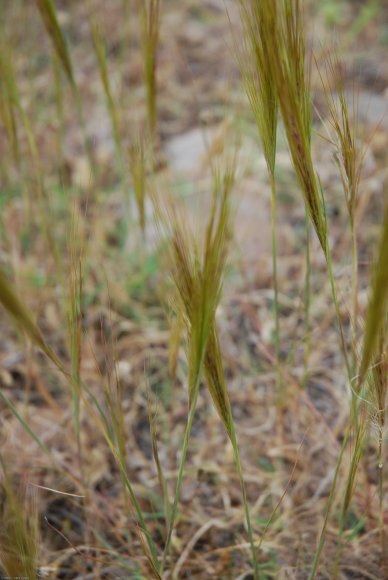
[258, 78]
[284, 36]
[197, 273]
[344, 123]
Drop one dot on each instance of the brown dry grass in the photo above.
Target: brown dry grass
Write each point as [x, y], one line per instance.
[125, 336]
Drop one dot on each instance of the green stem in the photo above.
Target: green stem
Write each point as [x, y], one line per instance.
[307, 301]
[351, 420]
[329, 505]
[381, 498]
[233, 439]
[275, 285]
[338, 315]
[117, 453]
[354, 293]
[174, 508]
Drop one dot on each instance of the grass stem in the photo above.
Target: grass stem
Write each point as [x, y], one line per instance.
[276, 287]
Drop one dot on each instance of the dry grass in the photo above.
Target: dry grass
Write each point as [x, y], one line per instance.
[111, 410]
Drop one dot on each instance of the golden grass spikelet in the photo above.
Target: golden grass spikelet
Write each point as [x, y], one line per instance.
[344, 122]
[284, 37]
[258, 78]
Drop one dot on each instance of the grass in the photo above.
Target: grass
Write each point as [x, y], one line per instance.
[261, 91]
[198, 283]
[142, 377]
[19, 539]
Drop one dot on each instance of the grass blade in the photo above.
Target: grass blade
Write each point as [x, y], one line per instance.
[50, 20]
